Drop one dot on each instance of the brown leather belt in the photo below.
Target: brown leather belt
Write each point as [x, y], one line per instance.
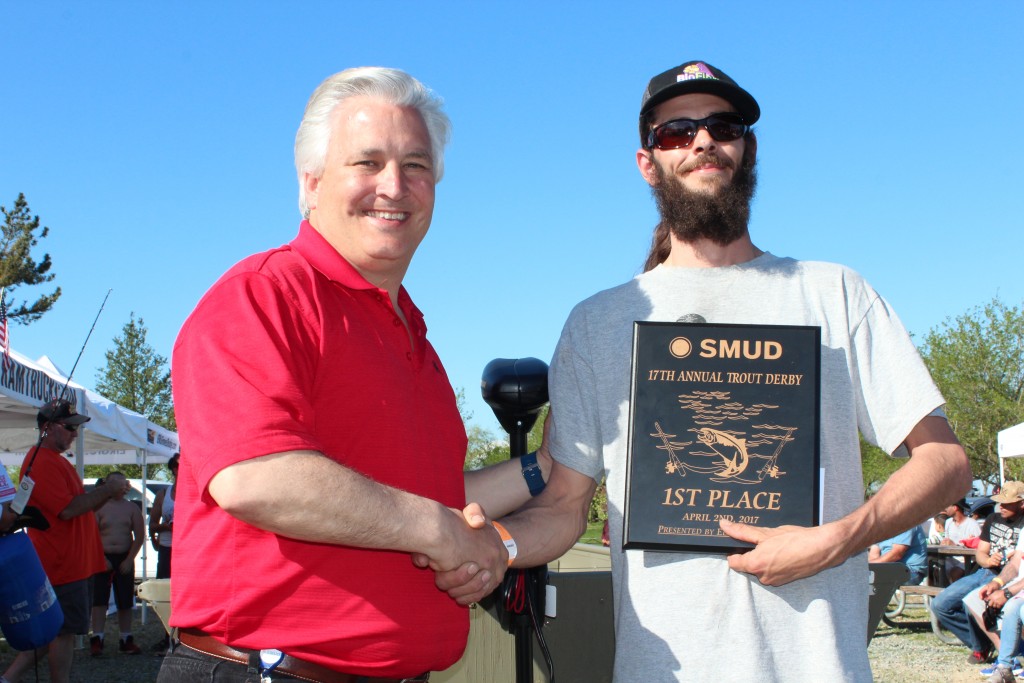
[292, 666]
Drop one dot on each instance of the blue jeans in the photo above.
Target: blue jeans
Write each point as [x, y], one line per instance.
[948, 606]
[1009, 633]
[186, 665]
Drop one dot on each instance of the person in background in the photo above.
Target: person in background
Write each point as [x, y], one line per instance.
[937, 529]
[996, 546]
[909, 548]
[161, 521]
[122, 532]
[161, 532]
[7, 491]
[70, 549]
[1004, 593]
[959, 528]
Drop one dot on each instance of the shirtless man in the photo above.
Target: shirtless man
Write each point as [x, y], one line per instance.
[122, 533]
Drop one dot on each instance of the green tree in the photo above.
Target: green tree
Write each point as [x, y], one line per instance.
[137, 378]
[488, 448]
[977, 360]
[876, 466]
[17, 267]
[481, 442]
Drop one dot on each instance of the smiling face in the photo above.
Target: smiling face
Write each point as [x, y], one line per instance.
[375, 198]
[706, 165]
[703, 191]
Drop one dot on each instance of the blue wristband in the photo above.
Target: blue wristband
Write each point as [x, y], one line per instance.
[532, 474]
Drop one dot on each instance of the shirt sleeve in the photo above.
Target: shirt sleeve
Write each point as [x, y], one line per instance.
[243, 367]
[576, 439]
[906, 538]
[896, 389]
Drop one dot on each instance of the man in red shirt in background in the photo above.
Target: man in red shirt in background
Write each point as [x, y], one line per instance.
[70, 549]
[321, 441]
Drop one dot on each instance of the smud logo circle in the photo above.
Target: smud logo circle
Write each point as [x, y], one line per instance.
[680, 347]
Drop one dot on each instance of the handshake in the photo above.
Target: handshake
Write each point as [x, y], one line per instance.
[473, 561]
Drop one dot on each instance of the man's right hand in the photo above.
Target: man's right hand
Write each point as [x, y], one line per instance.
[475, 555]
[988, 589]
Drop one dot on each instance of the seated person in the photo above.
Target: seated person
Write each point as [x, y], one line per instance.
[909, 548]
[999, 537]
[1006, 594]
[937, 530]
[959, 528]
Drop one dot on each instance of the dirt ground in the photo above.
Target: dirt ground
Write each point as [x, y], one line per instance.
[112, 666]
[906, 653]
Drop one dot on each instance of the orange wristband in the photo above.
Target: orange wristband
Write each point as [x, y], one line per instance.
[506, 538]
[999, 581]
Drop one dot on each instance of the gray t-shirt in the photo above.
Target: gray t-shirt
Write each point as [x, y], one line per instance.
[687, 616]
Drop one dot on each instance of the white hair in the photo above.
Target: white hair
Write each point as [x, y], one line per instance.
[390, 85]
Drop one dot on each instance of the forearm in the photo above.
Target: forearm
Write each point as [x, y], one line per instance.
[936, 474]
[86, 502]
[156, 513]
[984, 558]
[306, 496]
[1009, 572]
[548, 525]
[502, 488]
[138, 536]
[892, 555]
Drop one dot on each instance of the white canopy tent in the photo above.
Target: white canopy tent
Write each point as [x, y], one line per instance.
[114, 435]
[1009, 444]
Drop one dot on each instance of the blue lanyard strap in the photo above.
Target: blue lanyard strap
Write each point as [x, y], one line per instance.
[269, 659]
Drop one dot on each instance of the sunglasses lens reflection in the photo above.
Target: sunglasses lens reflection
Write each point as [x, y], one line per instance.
[680, 133]
[676, 134]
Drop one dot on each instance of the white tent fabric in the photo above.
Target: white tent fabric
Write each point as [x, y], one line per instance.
[1009, 444]
[112, 436]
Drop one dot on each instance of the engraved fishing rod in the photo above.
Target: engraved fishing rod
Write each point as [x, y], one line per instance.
[24, 491]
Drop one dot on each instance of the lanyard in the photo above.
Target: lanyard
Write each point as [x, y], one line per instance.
[269, 659]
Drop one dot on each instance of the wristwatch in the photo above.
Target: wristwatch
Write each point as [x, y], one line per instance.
[1007, 593]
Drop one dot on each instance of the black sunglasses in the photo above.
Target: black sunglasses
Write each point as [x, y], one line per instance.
[70, 428]
[680, 133]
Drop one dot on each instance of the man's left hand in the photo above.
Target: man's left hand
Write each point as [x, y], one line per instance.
[997, 599]
[127, 566]
[785, 553]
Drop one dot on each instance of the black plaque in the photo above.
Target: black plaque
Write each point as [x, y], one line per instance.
[723, 422]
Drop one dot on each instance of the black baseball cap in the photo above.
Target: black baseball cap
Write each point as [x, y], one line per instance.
[62, 411]
[698, 77]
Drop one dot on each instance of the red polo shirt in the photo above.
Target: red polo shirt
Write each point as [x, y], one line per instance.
[292, 349]
[70, 550]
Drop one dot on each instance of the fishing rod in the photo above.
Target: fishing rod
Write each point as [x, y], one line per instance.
[26, 484]
[82, 350]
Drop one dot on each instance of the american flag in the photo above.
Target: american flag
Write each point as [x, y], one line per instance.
[5, 339]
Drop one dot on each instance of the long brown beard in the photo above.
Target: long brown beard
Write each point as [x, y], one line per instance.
[721, 217]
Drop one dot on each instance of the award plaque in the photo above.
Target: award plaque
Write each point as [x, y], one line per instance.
[723, 425]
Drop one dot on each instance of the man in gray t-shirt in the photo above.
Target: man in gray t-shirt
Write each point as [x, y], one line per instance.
[794, 607]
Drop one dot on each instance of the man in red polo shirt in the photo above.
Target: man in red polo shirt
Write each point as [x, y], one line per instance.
[321, 442]
[70, 549]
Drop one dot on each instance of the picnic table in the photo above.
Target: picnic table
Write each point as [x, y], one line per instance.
[937, 555]
[937, 580]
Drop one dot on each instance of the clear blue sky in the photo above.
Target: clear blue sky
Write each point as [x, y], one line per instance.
[155, 140]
